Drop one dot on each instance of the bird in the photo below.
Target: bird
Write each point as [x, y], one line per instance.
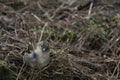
[40, 57]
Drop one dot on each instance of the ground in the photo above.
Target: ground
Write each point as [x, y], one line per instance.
[84, 39]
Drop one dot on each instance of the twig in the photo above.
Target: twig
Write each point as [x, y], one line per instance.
[20, 71]
[90, 10]
[117, 66]
[37, 18]
[45, 13]
[59, 8]
[45, 24]
[43, 29]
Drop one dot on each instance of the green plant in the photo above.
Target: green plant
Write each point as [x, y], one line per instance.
[117, 17]
[95, 28]
[67, 35]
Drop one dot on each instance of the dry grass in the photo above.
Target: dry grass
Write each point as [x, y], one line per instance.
[84, 49]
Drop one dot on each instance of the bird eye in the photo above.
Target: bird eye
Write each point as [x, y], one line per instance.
[45, 46]
[43, 49]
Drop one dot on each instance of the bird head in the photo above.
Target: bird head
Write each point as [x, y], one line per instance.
[39, 57]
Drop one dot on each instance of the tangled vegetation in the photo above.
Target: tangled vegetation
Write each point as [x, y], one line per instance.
[84, 39]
